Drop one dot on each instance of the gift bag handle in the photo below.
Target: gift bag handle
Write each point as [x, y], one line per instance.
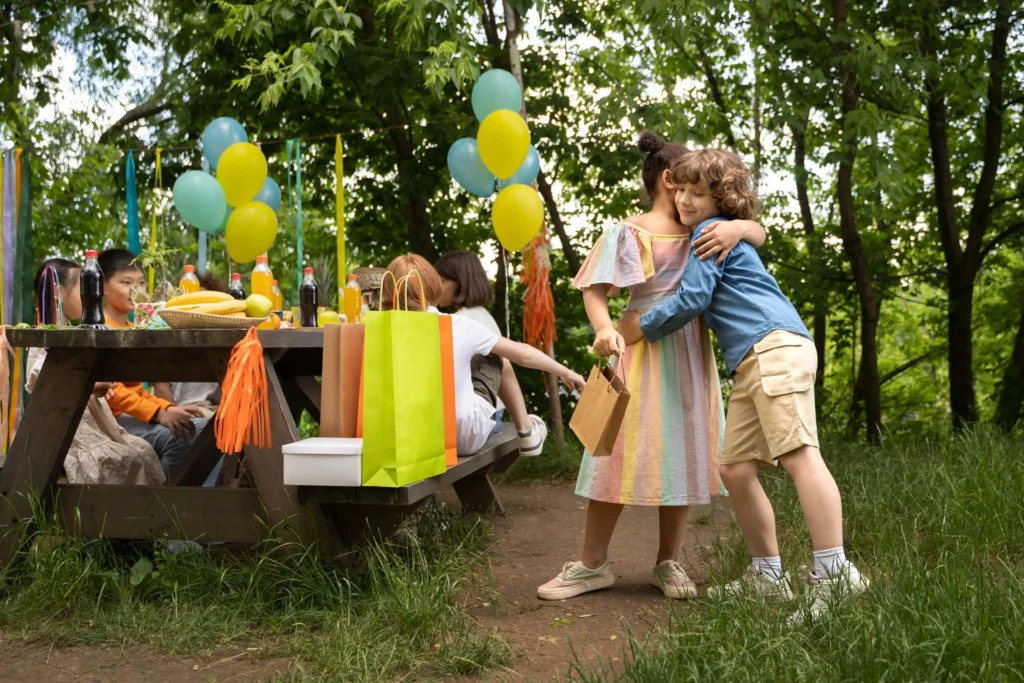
[405, 280]
[615, 371]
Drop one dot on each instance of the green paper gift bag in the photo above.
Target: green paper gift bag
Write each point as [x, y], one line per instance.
[403, 399]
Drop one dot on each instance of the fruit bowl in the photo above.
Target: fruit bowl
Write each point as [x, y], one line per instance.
[187, 320]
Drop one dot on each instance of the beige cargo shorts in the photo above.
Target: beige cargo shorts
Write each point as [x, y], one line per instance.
[771, 410]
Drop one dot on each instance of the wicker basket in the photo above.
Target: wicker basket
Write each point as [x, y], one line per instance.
[187, 320]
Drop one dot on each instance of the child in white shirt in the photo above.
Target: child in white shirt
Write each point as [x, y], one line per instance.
[477, 389]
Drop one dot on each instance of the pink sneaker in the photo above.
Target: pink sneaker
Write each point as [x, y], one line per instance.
[575, 579]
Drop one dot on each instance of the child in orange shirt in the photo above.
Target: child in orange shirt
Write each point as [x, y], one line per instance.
[168, 428]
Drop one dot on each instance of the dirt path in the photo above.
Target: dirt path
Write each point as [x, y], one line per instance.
[544, 529]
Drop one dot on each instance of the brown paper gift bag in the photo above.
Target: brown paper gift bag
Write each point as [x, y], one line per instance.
[600, 411]
[339, 383]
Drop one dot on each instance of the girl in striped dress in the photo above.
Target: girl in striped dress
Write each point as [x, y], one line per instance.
[666, 454]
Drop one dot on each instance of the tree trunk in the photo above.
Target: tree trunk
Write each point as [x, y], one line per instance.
[571, 257]
[1011, 394]
[870, 306]
[420, 237]
[499, 309]
[815, 248]
[961, 355]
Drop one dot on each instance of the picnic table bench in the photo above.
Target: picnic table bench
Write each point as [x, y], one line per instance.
[329, 516]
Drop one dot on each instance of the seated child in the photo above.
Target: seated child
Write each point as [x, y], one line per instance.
[771, 411]
[101, 452]
[465, 285]
[474, 400]
[169, 429]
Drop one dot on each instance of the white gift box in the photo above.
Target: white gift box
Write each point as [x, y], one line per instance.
[323, 462]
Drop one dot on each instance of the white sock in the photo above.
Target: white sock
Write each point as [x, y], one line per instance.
[829, 563]
[769, 566]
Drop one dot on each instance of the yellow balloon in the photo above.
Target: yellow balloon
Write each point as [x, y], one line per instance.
[517, 216]
[251, 230]
[504, 142]
[241, 172]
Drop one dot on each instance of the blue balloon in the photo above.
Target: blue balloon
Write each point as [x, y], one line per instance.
[269, 194]
[527, 173]
[468, 168]
[496, 89]
[200, 200]
[219, 135]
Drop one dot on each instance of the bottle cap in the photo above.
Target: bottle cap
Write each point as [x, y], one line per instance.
[236, 276]
[190, 269]
[307, 271]
[275, 282]
[90, 254]
[261, 259]
[351, 278]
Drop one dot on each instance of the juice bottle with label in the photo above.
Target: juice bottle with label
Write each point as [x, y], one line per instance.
[278, 299]
[353, 300]
[262, 280]
[189, 282]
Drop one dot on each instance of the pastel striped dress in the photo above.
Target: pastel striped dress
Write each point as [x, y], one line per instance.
[668, 448]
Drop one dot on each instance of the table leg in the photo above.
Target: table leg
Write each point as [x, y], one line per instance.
[292, 520]
[476, 492]
[42, 440]
[203, 455]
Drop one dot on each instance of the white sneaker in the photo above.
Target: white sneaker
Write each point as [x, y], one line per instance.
[671, 578]
[754, 581]
[532, 444]
[575, 579]
[825, 593]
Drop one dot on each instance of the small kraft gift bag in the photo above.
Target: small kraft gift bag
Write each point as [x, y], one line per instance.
[600, 410]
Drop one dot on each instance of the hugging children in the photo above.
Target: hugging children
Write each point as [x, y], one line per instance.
[768, 350]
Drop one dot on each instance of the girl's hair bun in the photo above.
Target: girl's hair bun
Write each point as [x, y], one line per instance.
[649, 142]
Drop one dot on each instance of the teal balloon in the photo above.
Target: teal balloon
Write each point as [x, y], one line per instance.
[496, 89]
[527, 173]
[468, 168]
[219, 135]
[269, 194]
[200, 200]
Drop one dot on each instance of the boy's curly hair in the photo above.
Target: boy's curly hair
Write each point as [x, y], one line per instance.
[726, 175]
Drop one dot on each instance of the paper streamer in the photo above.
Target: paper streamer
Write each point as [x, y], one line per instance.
[339, 208]
[295, 146]
[201, 266]
[7, 239]
[23, 250]
[3, 163]
[132, 192]
[158, 184]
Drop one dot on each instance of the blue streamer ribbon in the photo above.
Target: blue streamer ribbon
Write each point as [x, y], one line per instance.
[134, 239]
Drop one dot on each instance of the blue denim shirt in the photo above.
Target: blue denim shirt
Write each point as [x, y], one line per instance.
[740, 300]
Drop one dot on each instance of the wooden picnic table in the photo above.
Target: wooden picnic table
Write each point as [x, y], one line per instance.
[329, 516]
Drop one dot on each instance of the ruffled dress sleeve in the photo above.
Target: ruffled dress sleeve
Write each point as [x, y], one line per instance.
[621, 258]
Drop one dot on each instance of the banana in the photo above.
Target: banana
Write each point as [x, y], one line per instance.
[193, 298]
[240, 314]
[221, 308]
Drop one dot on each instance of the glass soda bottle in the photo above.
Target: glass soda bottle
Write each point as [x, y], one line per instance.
[262, 280]
[92, 292]
[309, 299]
[353, 300]
[189, 282]
[235, 289]
[277, 301]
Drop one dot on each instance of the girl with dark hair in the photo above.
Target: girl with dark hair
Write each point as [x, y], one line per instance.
[667, 450]
[465, 285]
[102, 452]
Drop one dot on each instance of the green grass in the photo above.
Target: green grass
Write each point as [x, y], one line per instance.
[557, 463]
[398, 615]
[937, 525]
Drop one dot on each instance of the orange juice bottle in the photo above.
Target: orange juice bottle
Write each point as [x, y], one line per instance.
[262, 280]
[353, 300]
[189, 282]
[278, 299]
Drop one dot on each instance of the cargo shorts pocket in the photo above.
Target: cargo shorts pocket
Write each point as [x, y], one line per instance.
[785, 365]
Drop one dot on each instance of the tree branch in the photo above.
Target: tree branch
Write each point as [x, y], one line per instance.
[899, 370]
[139, 113]
[998, 239]
[571, 257]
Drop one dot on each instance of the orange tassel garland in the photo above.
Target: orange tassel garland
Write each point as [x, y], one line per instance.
[244, 414]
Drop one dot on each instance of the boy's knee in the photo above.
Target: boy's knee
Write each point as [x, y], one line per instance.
[800, 459]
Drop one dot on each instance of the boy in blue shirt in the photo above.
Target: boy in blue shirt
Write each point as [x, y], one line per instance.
[771, 416]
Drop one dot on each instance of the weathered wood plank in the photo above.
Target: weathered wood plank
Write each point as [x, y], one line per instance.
[144, 512]
[303, 393]
[161, 339]
[291, 519]
[41, 443]
[500, 447]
